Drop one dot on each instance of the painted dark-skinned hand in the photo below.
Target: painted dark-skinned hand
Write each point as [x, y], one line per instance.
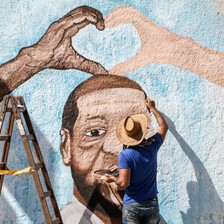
[54, 49]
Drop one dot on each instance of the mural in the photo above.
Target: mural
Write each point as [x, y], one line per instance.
[180, 73]
[89, 132]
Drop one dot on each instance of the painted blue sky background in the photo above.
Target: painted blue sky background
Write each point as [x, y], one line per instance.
[194, 104]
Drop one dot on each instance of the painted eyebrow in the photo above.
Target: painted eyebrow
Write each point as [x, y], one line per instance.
[96, 118]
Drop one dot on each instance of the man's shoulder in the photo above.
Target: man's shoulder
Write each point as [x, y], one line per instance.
[126, 154]
[156, 138]
[123, 153]
[129, 150]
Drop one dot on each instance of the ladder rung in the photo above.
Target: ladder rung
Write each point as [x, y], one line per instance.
[4, 137]
[9, 109]
[20, 107]
[39, 165]
[30, 137]
[2, 165]
[47, 194]
[56, 221]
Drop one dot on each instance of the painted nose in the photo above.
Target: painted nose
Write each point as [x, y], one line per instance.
[112, 144]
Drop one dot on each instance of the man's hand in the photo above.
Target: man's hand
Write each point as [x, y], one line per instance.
[54, 49]
[150, 103]
[123, 180]
[110, 178]
[163, 127]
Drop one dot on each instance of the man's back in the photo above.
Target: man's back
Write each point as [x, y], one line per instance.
[142, 160]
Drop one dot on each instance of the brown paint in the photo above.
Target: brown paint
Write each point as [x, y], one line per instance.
[53, 50]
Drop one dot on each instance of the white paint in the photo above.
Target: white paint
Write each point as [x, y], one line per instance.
[81, 213]
[20, 126]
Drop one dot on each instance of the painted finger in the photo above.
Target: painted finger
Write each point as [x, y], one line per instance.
[89, 66]
[72, 30]
[76, 19]
[120, 15]
[128, 66]
[100, 24]
[83, 11]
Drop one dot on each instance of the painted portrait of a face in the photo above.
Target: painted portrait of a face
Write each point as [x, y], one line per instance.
[89, 144]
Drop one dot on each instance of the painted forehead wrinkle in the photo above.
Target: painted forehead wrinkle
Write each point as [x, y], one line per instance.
[114, 94]
[101, 118]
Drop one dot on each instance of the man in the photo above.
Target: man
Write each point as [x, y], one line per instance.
[138, 167]
[89, 143]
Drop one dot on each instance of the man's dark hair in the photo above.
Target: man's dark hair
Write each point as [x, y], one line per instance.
[99, 82]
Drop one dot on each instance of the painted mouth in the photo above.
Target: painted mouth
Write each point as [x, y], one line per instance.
[116, 194]
[100, 174]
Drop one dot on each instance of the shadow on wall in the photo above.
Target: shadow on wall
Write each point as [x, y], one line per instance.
[205, 203]
[19, 195]
[91, 203]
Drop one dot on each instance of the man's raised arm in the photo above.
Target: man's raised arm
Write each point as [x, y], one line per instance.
[163, 127]
[53, 50]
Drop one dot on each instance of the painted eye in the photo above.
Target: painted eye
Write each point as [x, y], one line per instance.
[95, 132]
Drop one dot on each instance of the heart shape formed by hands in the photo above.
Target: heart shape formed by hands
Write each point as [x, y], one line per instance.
[108, 47]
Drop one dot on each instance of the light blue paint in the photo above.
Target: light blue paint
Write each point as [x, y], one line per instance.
[21, 216]
[105, 46]
[192, 103]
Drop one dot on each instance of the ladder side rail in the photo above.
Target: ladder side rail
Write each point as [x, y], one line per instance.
[31, 131]
[6, 147]
[3, 111]
[40, 158]
[52, 196]
[31, 160]
[9, 133]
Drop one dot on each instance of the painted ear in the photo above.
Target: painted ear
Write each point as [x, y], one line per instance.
[65, 146]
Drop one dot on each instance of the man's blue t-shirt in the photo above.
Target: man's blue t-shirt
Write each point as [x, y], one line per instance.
[143, 164]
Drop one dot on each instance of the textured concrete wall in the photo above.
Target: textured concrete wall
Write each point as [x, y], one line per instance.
[183, 76]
